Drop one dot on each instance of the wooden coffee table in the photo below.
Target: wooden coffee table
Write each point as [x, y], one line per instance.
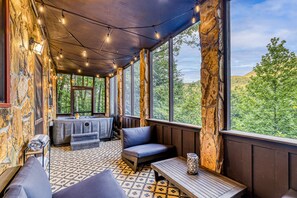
[205, 184]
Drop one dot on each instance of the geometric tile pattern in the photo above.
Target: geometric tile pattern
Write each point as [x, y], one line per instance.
[70, 167]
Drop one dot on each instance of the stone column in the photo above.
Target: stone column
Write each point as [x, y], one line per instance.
[211, 38]
[107, 100]
[144, 87]
[120, 93]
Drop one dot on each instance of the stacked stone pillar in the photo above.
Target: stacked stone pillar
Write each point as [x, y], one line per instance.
[120, 93]
[144, 87]
[107, 100]
[211, 38]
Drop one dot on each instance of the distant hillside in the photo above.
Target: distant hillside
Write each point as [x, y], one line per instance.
[236, 81]
[241, 81]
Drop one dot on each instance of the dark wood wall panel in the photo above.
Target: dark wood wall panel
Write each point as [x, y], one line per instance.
[293, 171]
[177, 140]
[185, 138]
[130, 122]
[266, 167]
[188, 142]
[263, 174]
[166, 135]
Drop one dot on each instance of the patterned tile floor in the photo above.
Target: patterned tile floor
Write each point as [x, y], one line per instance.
[69, 167]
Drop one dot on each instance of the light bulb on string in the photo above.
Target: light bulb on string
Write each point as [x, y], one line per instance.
[61, 53]
[108, 36]
[87, 63]
[41, 8]
[79, 70]
[39, 21]
[193, 19]
[63, 20]
[131, 62]
[114, 65]
[157, 34]
[135, 58]
[84, 53]
[98, 76]
[57, 57]
[197, 8]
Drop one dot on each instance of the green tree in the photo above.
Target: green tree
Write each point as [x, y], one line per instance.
[268, 103]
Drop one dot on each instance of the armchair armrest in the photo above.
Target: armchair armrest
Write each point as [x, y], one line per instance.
[136, 136]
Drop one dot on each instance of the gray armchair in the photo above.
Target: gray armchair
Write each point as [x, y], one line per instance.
[139, 146]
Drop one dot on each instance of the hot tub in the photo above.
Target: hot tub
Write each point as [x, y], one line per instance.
[64, 127]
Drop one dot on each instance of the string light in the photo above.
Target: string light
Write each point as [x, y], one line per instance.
[157, 34]
[108, 36]
[87, 63]
[39, 21]
[131, 62]
[98, 76]
[61, 53]
[135, 58]
[114, 65]
[41, 8]
[197, 8]
[63, 20]
[50, 60]
[79, 70]
[193, 18]
[57, 57]
[84, 53]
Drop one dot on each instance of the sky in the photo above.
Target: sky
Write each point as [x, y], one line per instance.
[253, 24]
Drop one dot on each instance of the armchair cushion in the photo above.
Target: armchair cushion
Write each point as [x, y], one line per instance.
[15, 192]
[102, 185]
[31, 181]
[146, 150]
[136, 136]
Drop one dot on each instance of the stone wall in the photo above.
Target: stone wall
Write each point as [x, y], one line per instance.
[144, 87]
[211, 38]
[17, 122]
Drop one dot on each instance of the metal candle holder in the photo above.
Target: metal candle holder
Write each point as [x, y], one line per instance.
[192, 163]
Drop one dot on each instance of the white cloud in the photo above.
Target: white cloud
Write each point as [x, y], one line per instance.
[254, 23]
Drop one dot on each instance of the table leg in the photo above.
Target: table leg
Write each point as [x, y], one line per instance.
[157, 177]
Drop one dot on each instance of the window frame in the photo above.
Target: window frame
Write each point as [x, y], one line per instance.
[170, 80]
[6, 66]
[73, 88]
[114, 78]
[94, 97]
[169, 39]
[132, 86]
[132, 91]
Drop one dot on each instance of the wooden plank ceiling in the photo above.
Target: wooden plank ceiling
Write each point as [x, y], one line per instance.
[87, 23]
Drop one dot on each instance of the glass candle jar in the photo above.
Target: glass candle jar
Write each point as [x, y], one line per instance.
[192, 163]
